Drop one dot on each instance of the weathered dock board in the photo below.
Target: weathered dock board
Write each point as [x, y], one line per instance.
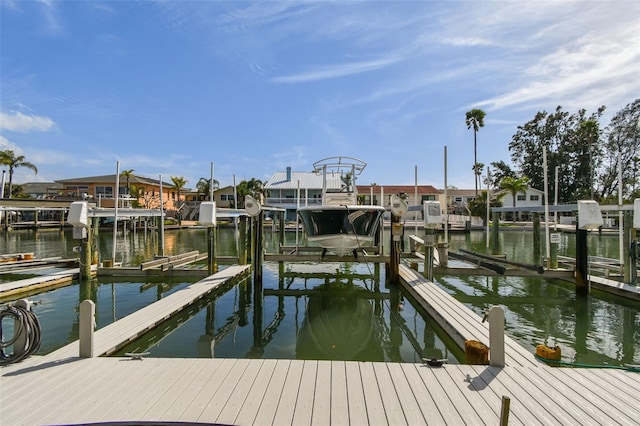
[15, 288]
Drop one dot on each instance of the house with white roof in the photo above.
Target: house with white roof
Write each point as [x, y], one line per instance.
[290, 189]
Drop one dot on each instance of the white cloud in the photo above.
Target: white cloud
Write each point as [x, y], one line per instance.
[19, 122]
[5, 145]
[334, 71]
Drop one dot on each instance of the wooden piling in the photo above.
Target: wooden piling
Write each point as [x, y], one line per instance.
[628, 235]
[537, 251]
[393, 267]
[582, 267]
[495, 234]
[429, 244]
[257, 248]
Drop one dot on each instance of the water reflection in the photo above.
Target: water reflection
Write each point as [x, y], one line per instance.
[338, 315]
[597, 329]
[339, 324]
[256, 322]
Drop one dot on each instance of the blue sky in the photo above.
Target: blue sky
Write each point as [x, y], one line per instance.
[166, 88]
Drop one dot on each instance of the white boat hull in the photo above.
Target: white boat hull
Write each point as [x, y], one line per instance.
[342, 244]
[341, 229]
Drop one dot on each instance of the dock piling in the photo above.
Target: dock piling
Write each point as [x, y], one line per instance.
[86, 328]
[495, 315]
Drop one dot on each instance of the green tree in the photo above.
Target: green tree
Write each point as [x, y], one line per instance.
[475, 120]
[9, 158]
[477, 171]
[204, 187]
[566, 147]
[515, 186]
[128, 174]
[179, 182]
[478, 206]
[621, 138]
[499, 171]
[253, 187]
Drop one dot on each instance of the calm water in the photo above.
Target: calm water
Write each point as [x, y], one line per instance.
[294, 318]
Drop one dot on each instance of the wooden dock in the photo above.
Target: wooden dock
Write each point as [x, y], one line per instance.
[116, 335]
[13, 289]
[61, 388]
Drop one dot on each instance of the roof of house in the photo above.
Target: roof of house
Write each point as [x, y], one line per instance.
[309, 180]
[133, 179]
[396, 189]
[40, 187]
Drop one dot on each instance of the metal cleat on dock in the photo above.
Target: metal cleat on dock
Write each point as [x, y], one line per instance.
[137, 356]
[434, 362]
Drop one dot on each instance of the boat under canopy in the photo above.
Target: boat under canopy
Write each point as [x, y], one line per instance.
[341, 229]
[340, 225]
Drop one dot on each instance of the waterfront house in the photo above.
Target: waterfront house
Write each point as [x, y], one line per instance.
[290, 189]
[531, 198]
[142, 192]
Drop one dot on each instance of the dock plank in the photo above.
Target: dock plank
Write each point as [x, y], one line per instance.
[355, 394]
[289, 393]
[223, 391]
[204, 394]
[257, 393]
[321, 413]
[273, 393]
[376, 413]
[240, 392]
[423, 396]
[339, 400]
[306, 393]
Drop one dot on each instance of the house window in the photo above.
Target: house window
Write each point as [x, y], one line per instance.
[533, 197]
[458, 199]
[428, 198]
[104, 191]
[226, 197]
[521, 197]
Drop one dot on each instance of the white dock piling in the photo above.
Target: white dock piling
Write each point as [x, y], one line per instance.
[86, 328]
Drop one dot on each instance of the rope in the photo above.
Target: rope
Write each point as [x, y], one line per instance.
[26, 334]
[627, 367]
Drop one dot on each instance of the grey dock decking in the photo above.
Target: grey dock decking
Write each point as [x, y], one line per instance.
[61, 388]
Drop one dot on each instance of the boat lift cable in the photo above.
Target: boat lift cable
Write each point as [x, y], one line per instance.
[26, 333]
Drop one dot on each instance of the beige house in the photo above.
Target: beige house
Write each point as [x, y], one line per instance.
[134, 191]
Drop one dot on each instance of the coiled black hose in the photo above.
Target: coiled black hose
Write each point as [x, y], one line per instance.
[26, 333]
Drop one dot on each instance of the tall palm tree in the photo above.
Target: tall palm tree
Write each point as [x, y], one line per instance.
[475, 120]
[179, 182]
[477, 171]
[9, 158]
[127, 174]
[515, 186]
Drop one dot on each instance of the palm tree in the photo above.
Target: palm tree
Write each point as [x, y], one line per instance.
[204, 186]
[179, 182]
[9, 158]
[128, 174]
[478, 206]
[515, 186]
[251, 187]
[475, 119]
[477, 171]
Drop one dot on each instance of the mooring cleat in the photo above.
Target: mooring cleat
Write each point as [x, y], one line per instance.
[434, 362]
[137, 356]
